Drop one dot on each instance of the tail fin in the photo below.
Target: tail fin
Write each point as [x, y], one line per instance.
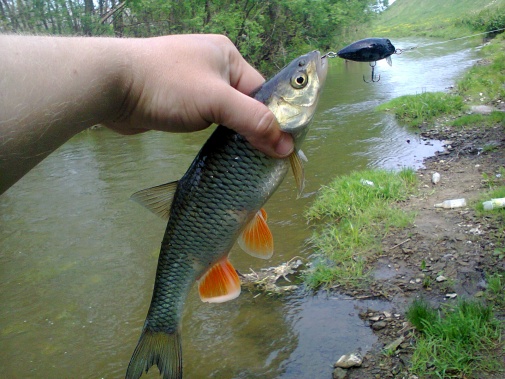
[157, 348]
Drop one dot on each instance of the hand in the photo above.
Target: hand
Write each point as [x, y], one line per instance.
[184, 83]
[60, 86]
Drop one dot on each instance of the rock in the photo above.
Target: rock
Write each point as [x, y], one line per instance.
[349, 360]
[379, 325]
[394, 345]
[435, 178]
[441, 278]
[451, 295]
[481, 109]
[339, 373]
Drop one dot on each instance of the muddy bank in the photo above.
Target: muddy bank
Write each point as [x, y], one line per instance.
[445, 255]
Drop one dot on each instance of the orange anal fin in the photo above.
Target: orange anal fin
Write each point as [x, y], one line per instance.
[220, 283]
[256, 239]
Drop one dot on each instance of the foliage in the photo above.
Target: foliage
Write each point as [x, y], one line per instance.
[484, 82]
[424, 107]
[455, 342]
[268, 33]
[435, 18]
[357, 210]
[495, 118]
[487, 20]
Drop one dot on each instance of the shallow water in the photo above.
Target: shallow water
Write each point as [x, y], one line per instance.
[77, 258]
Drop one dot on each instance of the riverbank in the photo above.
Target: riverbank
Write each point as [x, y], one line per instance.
[446, 254]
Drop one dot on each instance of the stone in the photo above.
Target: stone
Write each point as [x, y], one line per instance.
[339, 373]
[379, 325]
[441, 278]
[394, 345]
[481, 109]
[349, 360]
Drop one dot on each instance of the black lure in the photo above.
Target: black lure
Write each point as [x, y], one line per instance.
[369, 50]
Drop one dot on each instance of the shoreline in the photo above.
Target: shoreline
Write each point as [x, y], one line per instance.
[445, 255]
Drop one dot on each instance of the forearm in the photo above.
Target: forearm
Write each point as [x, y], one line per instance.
[51, 89]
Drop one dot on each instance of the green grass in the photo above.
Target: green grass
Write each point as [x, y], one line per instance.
[495, 292]
[424, 107]
[353, 215]
[483, 83]
[435, 18]
[480, 119]
[457, 341]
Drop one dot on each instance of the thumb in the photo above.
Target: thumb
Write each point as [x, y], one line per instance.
[254, 121]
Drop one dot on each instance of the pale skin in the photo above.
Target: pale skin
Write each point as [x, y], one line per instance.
[52, 88]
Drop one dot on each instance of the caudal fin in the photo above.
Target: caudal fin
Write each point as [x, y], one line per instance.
[157, 348]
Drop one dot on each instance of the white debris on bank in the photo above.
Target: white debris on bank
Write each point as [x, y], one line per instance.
[274, 280]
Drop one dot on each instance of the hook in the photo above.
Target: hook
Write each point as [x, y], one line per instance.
[373, 79]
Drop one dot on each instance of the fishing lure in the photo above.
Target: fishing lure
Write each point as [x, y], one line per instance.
[368, 50]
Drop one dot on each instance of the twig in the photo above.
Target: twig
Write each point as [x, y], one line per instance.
[401, 243]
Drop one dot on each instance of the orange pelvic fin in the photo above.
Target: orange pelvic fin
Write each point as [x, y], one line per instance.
[256, 239]
[220, 283]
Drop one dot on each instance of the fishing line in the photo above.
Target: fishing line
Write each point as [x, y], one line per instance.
[400, 51]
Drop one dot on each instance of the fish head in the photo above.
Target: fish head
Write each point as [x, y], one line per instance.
[293, 93]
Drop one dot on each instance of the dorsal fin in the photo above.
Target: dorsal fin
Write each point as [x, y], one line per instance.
[157, 199]
[297, 167]
[220, 283]
[256, 239]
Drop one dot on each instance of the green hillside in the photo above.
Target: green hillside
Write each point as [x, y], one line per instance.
[436, 18]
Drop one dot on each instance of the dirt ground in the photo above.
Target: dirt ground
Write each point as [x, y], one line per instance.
[445, 254]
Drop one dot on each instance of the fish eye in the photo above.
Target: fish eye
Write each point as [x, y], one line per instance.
[299, 80]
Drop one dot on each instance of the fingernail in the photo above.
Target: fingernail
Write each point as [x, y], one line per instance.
[285, 146]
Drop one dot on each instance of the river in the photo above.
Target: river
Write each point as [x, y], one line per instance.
[77, 258]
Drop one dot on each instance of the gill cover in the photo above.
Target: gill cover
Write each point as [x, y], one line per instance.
[293, 93]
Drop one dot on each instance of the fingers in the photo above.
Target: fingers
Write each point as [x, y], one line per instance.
[254, 121]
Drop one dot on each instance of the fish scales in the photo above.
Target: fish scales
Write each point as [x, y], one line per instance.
[217, 199]
[194, 230]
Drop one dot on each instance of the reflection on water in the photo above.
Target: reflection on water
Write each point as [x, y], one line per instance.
[77, 258]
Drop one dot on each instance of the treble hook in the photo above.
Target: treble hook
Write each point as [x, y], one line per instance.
[372, 64]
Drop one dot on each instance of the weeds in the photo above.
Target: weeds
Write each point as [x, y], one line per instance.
[357, 210]
[479, 119]
[455, 341]
[424, 107]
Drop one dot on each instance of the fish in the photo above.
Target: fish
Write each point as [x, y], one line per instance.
[219, 201]
[368, 50]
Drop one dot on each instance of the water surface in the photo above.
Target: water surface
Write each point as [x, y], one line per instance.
[77, 258]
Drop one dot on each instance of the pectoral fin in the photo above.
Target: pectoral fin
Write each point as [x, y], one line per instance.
[220, 283]
[157, 199]
[297, 167]
[256, 239]
[389, 60]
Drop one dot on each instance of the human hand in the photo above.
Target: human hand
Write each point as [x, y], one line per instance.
[184, 83]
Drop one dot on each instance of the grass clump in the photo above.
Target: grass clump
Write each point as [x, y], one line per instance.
[424, 107]
[483, 83]
[357, 211]
[485, 120]
[456, 341]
